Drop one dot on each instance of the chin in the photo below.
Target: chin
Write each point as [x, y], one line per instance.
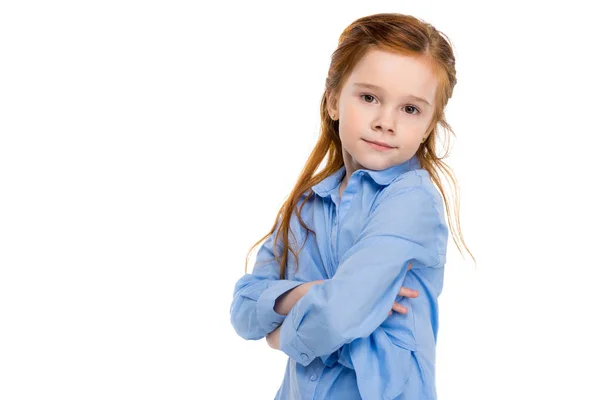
[375, 165]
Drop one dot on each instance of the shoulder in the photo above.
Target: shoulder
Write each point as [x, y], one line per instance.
[412, 207]
[416, 185]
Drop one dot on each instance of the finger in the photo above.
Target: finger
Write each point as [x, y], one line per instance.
[406, 292]
[399, 309]
[409, 265]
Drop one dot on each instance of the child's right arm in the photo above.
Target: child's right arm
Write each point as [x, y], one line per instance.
[252, 311]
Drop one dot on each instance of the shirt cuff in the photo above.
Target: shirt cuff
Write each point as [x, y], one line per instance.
[267, 317]
[290, 343]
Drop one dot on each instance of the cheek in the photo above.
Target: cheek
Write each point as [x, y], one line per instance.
[413, 141]
[355, 112]
[353, 118]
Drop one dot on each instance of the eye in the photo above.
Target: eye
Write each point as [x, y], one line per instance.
[367, 95]
[416, 110]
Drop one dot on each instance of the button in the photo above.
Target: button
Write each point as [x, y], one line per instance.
[274, 324]
[304, 356]
[313, 377]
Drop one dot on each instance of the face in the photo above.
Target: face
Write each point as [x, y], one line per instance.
[388, 98]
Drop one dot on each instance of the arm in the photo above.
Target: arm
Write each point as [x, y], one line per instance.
[402, 229]
[284, 304]
[252, 310]
[286, 301]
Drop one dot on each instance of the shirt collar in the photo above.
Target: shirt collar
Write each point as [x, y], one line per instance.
[382, 177]
[328, 185]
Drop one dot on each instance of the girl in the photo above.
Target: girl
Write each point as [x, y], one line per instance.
[369, 222]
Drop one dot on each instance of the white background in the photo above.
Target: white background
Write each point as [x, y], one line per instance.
[145, 146]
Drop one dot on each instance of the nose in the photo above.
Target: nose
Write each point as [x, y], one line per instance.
[384, 122]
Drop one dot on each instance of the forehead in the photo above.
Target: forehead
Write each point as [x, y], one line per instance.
[396, 74]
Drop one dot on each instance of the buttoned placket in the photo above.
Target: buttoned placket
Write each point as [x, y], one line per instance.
[340, 208]
[314, 372]
[334, 233]
[349, 192]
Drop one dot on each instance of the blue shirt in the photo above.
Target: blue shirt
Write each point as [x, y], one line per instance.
[341, 342]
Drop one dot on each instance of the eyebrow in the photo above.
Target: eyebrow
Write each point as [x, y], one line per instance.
[371, 86]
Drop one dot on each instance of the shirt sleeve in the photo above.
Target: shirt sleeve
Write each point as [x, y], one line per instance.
[382, 356]
[252, 309]
[402, 228]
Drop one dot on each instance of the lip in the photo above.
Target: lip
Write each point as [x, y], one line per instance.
[379, 144]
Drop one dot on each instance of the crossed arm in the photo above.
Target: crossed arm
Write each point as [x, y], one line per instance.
[315, 319]
[341, 319]
[287, 300]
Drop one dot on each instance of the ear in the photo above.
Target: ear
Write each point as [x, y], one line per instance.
[332, 106]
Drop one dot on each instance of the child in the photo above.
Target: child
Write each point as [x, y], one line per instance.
[370, 222]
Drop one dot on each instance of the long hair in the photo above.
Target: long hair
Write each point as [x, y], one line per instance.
[402, 34]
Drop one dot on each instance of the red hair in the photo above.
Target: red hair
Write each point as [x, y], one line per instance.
[403, 34]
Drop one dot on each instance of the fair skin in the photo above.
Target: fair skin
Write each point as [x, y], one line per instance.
[387, 98]
[394, 108]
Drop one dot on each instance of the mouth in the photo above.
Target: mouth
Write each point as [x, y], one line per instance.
[379, 144]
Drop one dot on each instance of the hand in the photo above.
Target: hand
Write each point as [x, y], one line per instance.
[405, 292]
